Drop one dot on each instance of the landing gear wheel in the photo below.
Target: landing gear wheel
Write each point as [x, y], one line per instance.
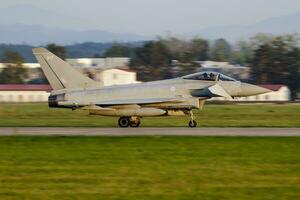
[192, 124]
[124, 122]
[134, 124]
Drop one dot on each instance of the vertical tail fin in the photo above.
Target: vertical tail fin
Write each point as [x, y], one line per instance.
[59, 73]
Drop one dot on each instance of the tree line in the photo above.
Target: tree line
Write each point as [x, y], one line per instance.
[272, 59]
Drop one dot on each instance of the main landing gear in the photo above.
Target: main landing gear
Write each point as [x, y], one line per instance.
[133, 122]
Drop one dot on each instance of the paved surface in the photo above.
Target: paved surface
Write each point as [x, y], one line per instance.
[40, 131]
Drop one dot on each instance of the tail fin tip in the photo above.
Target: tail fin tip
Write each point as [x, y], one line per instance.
[39, 50]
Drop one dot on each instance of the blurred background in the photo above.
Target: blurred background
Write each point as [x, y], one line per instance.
[132, 41]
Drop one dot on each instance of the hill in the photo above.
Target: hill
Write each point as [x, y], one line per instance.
[278, 25]
[26, 28]
[39, 35]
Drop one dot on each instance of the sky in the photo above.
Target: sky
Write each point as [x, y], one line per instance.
[150, 17]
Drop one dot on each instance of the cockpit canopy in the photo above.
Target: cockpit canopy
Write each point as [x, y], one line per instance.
[208, 76]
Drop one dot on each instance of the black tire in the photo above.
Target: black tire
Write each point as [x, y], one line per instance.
[135, 124]
[124, 122]
[193, 124]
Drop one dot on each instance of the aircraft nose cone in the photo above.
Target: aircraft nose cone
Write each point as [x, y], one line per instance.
[250, 90]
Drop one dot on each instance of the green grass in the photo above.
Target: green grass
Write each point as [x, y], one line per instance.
[254, 115]
[149, 168]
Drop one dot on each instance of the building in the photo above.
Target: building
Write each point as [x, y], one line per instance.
[40, 93]
[109, 71]
[116, 77]
[99, 63]
[279, 93]
[24, 93]
[25, 65]
[80, 63]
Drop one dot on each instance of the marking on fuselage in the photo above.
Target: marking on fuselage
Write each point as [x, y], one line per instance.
[63, 80]
[49, 57]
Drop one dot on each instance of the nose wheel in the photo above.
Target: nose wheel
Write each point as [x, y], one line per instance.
[133, 122]
[192, 124]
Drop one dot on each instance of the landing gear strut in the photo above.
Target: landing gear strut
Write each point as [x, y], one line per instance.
[135, 122]
[125, 122]
[192, 122]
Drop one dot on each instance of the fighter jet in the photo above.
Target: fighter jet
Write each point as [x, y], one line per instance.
[172, 97]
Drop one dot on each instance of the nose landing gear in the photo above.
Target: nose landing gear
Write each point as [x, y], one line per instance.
[192, 122]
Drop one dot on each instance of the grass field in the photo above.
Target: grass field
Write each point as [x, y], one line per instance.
[149, 168]
[257, 115]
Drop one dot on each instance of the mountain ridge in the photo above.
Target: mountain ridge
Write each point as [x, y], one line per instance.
[287, 24]
[38, 26]
[40, 35]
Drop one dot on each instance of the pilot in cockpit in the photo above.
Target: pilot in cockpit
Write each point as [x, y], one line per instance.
[212, 76]
[205, 76]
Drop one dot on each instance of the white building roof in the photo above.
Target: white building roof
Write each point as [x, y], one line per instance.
[224, 65]
[99, 62]
[103, 63]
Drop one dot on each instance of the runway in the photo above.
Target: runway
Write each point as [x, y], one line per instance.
[74, 131]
